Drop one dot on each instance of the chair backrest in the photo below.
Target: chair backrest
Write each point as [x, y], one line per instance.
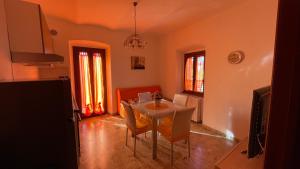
[182, 122]
[144, 97]
[180, 99]
[129, 116]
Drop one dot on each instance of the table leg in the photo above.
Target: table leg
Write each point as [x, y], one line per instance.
[154, 138]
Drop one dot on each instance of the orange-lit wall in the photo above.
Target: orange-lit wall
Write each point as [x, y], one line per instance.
[249, 26]
[121, 73]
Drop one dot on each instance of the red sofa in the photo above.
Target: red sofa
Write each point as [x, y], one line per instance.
[128, 94]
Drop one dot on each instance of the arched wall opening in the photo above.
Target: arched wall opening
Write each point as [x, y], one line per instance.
[100, 45]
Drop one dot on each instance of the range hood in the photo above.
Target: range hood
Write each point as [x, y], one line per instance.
[35, 58]
[30, 40]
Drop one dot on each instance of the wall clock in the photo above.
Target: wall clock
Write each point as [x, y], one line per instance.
[236, 57]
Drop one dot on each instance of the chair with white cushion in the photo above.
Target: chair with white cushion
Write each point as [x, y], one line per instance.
[135, 125]
[178, 128]
[144, 97]
[180, 99]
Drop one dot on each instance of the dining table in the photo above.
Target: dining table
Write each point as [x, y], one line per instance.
[155, 111]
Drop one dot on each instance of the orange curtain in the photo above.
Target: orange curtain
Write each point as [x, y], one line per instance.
[199, 80]
[85, 81]
[189, 71]
[98, 84]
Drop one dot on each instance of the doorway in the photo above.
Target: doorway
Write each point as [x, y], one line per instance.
[90, 80]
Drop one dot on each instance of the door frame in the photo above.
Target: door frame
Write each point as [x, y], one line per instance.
[77, 86]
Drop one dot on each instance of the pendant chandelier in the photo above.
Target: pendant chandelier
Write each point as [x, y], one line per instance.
[135, 40]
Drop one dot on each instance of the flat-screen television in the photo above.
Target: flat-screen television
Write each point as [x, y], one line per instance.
[259, 120]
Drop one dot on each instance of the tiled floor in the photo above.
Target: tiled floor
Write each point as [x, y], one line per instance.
[103, 147]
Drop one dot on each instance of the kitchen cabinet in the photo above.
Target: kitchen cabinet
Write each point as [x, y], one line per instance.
[47, 38]
[27, 28]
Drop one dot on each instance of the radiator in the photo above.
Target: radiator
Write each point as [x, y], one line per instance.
[197, 102]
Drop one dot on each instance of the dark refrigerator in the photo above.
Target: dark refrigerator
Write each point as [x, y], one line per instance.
[38, 128]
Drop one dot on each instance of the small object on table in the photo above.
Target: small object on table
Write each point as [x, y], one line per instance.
[157, 99]
[157, 102]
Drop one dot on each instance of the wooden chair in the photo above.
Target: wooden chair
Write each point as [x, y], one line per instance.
[177, 129]
[135, 125]
[180, 99]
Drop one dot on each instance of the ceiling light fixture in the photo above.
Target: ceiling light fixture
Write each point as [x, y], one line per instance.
[135, 40]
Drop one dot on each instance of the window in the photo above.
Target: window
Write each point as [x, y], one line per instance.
[194, 73]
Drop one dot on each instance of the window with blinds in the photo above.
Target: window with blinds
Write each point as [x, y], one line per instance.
[194, 72]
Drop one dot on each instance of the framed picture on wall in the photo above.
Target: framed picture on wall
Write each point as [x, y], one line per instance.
[137, 62]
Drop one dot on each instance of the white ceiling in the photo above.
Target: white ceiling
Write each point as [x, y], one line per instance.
[152, 15]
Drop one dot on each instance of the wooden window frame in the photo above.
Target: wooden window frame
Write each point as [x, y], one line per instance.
[195, 55]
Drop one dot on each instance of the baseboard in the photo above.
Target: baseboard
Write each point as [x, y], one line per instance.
[219, 132]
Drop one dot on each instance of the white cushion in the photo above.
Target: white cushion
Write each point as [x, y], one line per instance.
[180, 99]
[145, 97]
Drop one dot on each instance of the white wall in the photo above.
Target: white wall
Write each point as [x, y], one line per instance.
[250, 27]
[121, 73]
